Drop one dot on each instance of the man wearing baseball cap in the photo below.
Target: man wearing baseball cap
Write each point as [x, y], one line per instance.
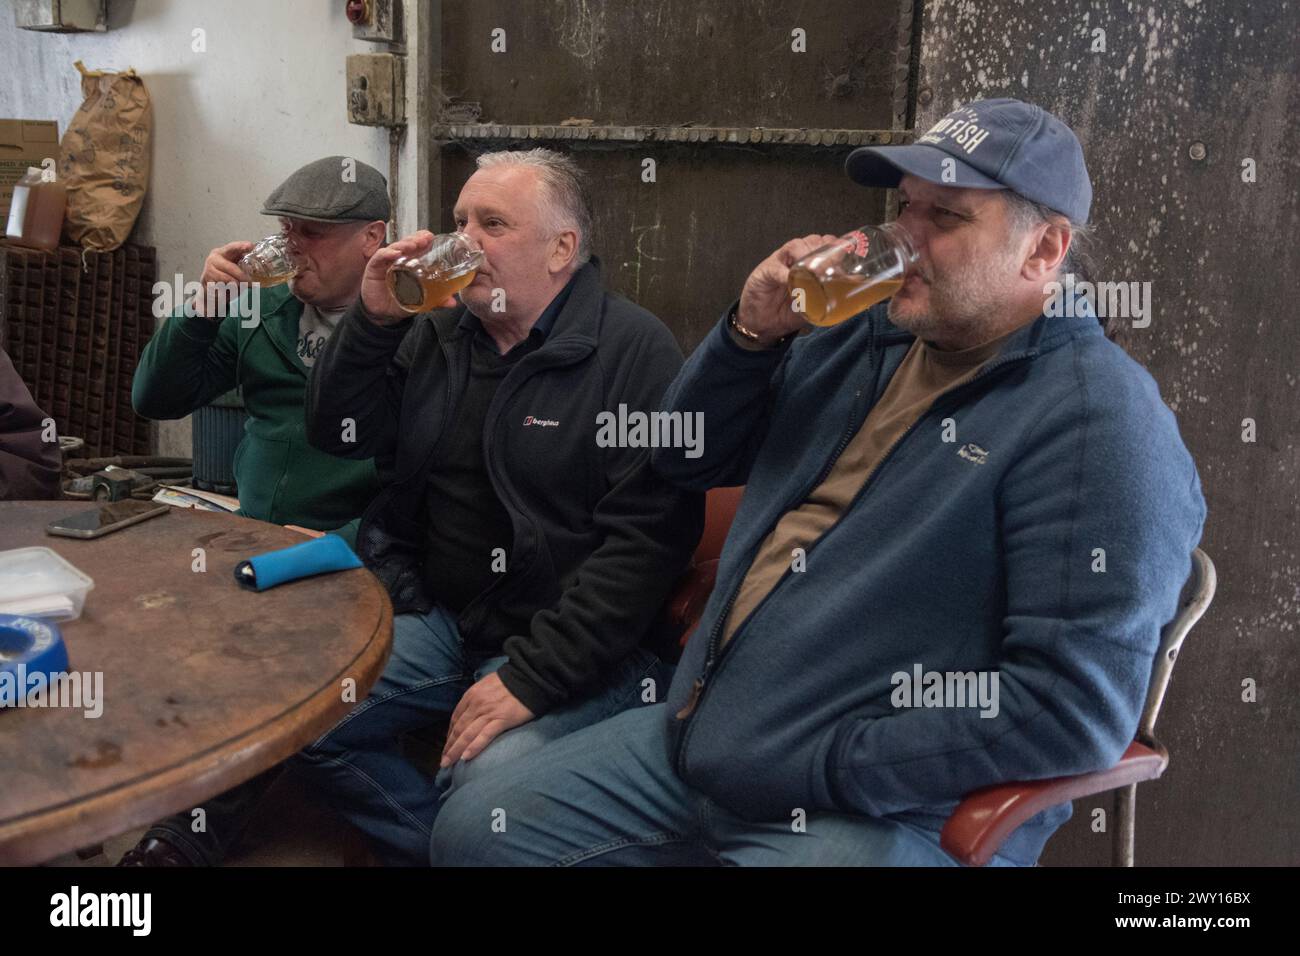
[967, 517]
[335, 212]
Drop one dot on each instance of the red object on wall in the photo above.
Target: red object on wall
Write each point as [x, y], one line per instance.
[358, 11]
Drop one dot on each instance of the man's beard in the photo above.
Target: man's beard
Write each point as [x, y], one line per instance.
[966, 303]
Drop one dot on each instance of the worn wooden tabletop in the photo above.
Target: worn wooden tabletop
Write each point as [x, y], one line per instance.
[204, 684]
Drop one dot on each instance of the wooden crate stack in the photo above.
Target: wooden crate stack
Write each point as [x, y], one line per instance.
[74, 325]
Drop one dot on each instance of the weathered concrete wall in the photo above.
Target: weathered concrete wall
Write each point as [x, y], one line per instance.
[1170, 100]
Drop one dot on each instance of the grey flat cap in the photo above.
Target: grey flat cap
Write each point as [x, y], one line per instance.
[333, 189]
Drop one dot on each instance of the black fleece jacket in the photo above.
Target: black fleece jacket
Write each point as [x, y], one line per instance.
[599, 538]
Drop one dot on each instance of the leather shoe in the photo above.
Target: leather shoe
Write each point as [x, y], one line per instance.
[152, 851]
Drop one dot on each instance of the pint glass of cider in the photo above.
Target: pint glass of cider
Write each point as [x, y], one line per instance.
[851, 274]
[271, 262]
[421, 283]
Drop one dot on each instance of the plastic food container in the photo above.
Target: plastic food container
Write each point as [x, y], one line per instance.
[36, 582]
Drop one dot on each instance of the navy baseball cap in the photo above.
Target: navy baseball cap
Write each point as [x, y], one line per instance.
[989, 144]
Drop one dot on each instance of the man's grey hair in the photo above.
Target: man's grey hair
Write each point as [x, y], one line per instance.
[565, 201]
[1025, 214]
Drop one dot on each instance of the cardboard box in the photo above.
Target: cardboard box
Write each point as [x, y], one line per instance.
[23, 143]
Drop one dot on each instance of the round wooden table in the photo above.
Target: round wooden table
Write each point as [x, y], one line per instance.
[204, 684]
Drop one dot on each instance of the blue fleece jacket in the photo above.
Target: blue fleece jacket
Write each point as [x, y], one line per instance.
[978, 551]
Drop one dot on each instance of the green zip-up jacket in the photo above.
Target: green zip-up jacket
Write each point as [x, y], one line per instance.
[192, 360]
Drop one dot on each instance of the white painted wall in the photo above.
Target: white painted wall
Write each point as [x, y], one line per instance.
[230, 124]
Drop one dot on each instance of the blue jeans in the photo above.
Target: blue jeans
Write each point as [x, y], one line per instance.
[359, 768]
[608, 796]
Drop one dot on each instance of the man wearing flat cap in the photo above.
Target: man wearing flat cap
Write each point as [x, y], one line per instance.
[335, 213]
[967, 517]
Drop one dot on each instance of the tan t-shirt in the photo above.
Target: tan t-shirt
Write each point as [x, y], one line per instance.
[924, 375]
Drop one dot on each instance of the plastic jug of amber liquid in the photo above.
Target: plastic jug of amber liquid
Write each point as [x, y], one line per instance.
[36, 211]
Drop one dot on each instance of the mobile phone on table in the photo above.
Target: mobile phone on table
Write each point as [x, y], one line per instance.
[98, 522]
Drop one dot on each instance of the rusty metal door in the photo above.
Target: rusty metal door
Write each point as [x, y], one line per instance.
[712, 132]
